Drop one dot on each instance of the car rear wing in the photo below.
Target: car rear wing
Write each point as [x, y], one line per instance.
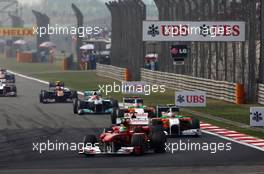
[140, 121]
[167, 108]
[54, 84]
[2, 80]
[131, 101]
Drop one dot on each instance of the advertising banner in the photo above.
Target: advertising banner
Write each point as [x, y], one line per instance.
[194, 31]
[190, 98]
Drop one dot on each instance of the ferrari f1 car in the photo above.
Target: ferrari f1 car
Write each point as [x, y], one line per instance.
[57, 93]
[175, 124]
[8, 90]
[132, 106]
[7, 77]
[133, 136]
[92, 102]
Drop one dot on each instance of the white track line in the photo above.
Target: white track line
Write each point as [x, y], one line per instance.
[35, 79]
[203, 125]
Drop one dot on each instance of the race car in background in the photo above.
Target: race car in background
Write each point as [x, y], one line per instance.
[132, 136]
[129, 102]
[57, 93]
[6, 77]
[8, 90]
[92, 103]
[175, 124]
[131, 107]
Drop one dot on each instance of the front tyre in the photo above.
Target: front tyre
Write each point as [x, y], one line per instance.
[158, 140]
[75, 106]
[139, 144]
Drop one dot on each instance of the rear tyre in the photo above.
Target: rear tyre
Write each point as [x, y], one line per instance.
[175, 130]
[120, 113]
[156, 122]
[115, 104]
[75, 106]
[158, 140]
[40, 98]
[43, 96]
[114, 116]
[195, 123]
[15, 91]
[139, 144]
[74, 95]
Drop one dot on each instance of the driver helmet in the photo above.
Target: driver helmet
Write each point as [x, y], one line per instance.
[58, 83]
[171, 114]
[122, 128]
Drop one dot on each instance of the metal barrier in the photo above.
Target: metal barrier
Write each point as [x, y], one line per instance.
[261, 94]
[221, 90]
[110, 71]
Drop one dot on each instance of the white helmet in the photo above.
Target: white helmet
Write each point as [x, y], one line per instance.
[171, 114]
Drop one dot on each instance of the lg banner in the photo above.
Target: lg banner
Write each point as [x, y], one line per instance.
[190, 98]
[193, 31]
[256, 116]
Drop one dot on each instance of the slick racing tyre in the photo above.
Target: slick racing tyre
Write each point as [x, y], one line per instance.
[114, 116]
[158, 140]
[139, 144]
[43, 95]
[195, 123]
[115, 103]
[74, 95]
[75, 106]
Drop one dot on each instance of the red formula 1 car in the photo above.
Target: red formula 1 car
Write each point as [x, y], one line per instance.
[133, 136]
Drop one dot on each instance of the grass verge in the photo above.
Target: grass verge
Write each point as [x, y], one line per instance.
[28, 68]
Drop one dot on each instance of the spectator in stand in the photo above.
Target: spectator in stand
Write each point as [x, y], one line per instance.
[87, 60]
[83, 59]
[147, 65]
[93, 60]
[52, 55]
[152, 65]
[42, 56]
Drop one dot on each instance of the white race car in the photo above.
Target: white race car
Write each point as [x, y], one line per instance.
[175, 124]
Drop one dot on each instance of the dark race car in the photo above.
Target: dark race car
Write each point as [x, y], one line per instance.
[133, 136]
[57, 93]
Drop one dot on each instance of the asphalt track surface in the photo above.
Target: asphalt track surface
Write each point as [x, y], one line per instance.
[23, 120]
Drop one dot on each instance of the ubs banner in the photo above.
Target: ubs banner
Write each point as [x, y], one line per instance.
[193, 31]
